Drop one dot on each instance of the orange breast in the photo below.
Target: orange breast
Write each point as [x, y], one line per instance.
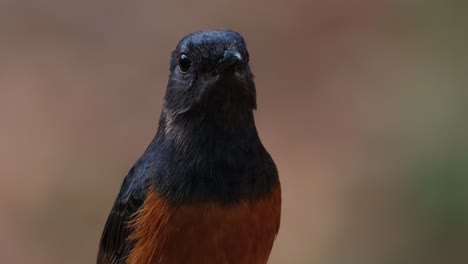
[206, 232]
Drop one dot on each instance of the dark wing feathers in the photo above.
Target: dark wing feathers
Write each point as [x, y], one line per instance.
[114, 246]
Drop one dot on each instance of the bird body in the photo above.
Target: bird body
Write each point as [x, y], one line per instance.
[206, 232]
[205, 190]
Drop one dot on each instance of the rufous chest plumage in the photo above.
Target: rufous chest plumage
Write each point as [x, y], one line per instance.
[205, 233]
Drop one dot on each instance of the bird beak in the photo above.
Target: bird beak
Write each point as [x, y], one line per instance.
[229, 60]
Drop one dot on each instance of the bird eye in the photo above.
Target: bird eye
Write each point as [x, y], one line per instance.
[184, 63]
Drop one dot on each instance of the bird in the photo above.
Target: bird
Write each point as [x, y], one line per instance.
[205, 190]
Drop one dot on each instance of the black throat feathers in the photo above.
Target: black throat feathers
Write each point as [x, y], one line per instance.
[211, 157]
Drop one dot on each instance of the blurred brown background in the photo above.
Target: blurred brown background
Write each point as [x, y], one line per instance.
[362, 104]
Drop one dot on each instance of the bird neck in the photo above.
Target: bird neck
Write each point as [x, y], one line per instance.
[214, 136]
[211, 157]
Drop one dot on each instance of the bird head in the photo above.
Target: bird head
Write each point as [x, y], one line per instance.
[209, 72]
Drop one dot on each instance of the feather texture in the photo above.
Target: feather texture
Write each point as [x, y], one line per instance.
[205, 232]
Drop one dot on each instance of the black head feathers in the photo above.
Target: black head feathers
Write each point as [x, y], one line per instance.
[210, 72]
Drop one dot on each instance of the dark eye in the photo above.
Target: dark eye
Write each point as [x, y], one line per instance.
[184, 63]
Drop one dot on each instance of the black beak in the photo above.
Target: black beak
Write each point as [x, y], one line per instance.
[230, 59]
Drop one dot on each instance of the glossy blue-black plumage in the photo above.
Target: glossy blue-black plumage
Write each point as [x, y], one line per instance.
[206, 149]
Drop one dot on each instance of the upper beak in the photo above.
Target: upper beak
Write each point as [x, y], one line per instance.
[229, 60]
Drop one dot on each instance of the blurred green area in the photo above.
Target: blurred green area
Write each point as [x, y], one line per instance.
[362, 104]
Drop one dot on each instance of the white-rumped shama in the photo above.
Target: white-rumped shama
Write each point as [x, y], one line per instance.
[205, 190]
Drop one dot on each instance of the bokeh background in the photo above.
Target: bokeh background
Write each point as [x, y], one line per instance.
[362, 104]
